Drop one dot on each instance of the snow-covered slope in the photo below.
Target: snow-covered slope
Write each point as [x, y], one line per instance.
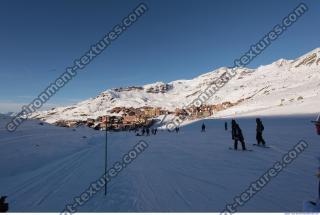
[283, 87]
[44, 167]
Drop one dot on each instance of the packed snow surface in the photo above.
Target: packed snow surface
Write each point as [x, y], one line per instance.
[44, 167]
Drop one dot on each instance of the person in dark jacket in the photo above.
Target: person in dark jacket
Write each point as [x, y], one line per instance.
[177, 129]
[4, 207]
[148, 131]
[259, 130]
[203, 128]
[237, 135]
[233, 127]
[317, 124]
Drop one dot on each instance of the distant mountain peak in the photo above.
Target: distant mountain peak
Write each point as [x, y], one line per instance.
[309, 59]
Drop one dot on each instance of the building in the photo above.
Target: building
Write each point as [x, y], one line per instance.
[152, 112]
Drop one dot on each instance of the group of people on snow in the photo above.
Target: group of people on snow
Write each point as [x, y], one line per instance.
[237, 134]
[146, 130]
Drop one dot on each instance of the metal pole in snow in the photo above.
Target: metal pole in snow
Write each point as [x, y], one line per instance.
[106, 159]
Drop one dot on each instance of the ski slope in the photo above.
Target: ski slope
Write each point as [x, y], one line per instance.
[44, 167]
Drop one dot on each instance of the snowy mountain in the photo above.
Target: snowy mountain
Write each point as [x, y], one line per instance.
[280, 88]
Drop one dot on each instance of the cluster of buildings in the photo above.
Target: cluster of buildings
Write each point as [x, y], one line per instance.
[120, 118]
[123, 118]
[204, 110]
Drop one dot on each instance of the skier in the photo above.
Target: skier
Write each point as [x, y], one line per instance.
[148, 132]
[177, 129]
[226, 126]
[155, 131]
[314, 206]
[237, 135]
[318, 176]
[4, 207]
[152, 131]
[143, 131]
[317, 124]
[203, 128]
[259, 130]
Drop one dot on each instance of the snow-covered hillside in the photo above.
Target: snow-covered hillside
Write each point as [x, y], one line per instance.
[281, 88]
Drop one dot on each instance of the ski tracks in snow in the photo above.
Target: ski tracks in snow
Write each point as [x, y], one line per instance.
[46, 181]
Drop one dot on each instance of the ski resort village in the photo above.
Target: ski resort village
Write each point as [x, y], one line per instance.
[133, 118]
[284, 84]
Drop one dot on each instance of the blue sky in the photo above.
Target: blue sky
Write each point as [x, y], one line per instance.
[175, 39]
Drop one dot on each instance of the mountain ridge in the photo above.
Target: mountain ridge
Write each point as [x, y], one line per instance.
[277, 83]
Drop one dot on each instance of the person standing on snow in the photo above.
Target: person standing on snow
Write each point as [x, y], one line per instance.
[259, 130]
[314, 206]
[203, 128]
[317, 124]
[237, 135]
[148, 131]
[4, 207]
[318, 176]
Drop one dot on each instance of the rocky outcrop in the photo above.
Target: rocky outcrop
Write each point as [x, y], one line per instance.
[158, 88]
